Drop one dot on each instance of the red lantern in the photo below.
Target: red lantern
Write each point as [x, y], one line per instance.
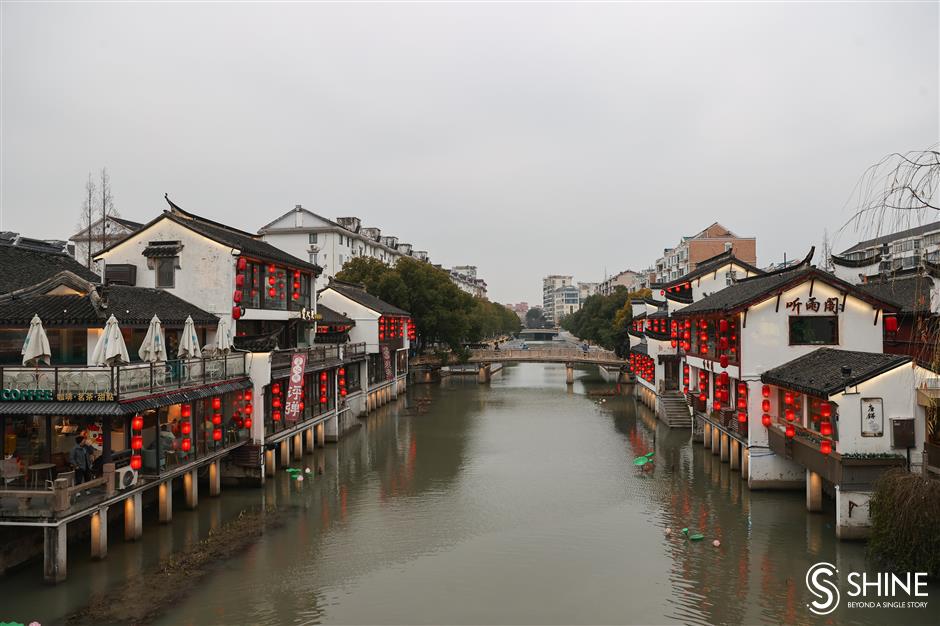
[276, 389]
[237, 296]
[342, 392]
[825, 446]
[136, 462]
[723, 360]
[825, 409]
[216, 403]
[272, 292]
[723, 343]
[186, 411]
[322, 399]
[248, 409]
[217, 434]
[247, 422]
[788, 398]
[790, 415]
[891, 324]
[724, 378]
[276, 402]
[137, 423]
[791, 431]
[825, 429]
[242, 263]
[137, 442]
[236, 312]
[765, 420]
[323, 376]
[742, 418]
[239, 280]
[742, 403]
[716, 405]
[186, 428]
[765, 406]
[248, 395]
[276, 416]
[186, 445]
[742, 389]
[217, 419]
[723, 326]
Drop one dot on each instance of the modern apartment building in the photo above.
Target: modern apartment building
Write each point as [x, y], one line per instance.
[566, 300]
[902, 250]
[586, 290]
[690, 251]
[549, 285]
[627, 279]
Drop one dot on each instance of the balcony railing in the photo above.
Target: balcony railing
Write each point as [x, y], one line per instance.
[355, 350]
[74, 382]
[280, 360]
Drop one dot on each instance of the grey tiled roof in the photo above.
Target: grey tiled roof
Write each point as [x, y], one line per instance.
[753, 290]
[911, 294]
[357, 293]
[820, 372]
[22, 267]
[329, 316]
[130, 305]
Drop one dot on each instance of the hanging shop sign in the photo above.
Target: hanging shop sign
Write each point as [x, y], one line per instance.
[47, 395]
[295, 385]
[387, 361]
[310, 316]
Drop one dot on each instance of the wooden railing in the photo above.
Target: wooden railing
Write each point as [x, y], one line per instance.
[67, 382]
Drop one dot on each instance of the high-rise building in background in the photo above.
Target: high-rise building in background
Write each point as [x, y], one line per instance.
[549, 285]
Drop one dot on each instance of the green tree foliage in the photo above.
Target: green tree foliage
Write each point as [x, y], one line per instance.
[535, 318]
[442, 313]
[605, 320]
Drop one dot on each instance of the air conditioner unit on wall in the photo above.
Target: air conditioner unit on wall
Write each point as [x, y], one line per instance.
[125, 478]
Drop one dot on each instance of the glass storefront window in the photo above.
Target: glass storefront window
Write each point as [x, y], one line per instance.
[353, 378]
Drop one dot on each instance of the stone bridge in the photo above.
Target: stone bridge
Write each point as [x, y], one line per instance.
[569, 356]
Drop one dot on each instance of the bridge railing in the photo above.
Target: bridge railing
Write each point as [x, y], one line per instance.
[573, 354]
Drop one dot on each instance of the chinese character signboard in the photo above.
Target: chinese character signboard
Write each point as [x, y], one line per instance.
[873, 417]
[387, 361]
[295, 387]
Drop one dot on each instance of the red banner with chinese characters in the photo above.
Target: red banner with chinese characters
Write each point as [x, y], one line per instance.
[295, 386]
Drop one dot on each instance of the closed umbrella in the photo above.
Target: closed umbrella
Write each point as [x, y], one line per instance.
[153, 348]
[36, 347]
[223, 336]
[110, 349]
[189, 341]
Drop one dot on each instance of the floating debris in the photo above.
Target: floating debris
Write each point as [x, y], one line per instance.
[716, 543]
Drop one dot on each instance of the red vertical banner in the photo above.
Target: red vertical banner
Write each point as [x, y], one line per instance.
[295, 384]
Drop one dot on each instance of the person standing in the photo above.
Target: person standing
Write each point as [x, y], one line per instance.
[80, 460]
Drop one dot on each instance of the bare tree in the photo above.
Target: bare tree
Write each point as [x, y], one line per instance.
[87, 218]
[897, 191]
[106, 208]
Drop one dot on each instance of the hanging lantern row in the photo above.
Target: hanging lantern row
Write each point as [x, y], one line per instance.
[643, 366]
[675, 288]
[137, 442]
[685, 378]
[277, 402]
[186, 427]
[742, 403]
[341, 374]
[412, 335]
[702, 387]
[323, 394]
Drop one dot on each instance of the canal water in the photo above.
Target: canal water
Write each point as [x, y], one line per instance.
[513, 503]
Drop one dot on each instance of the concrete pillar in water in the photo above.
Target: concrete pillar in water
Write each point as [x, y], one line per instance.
[165, 497]
[191, 489]
[483, 374]
[215, 478]
[707, 434]
[308, 441]
[724, 445]
[284, 461]
[745, 463]
[298, 447]
[735, 454]
[99, 533]
[321, 435]
[569, 373]
[55, 553]
[716, 447]
[133, 517]
[269, 465]
[813, 491]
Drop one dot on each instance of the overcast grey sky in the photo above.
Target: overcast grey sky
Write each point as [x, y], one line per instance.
[526, 139]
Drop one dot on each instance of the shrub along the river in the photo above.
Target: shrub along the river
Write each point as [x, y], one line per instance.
[905, 518]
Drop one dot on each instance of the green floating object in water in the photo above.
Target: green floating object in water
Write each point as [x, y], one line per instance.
[292, 470]
[697, 537]
[685, 531]
[649, 455]
[640, 461]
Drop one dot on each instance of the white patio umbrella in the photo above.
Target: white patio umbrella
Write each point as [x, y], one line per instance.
[189, 341]
[153, 348]
[110, 349]
[36, 347]
[223, 336]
